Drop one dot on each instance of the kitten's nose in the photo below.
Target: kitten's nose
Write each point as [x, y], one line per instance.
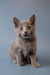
[26, 33]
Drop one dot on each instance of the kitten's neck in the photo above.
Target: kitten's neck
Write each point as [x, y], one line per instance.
[26, 40]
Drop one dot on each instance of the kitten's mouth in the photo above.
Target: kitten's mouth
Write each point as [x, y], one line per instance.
[25, 35]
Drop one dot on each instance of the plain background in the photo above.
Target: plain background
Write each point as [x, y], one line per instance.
[23, 9]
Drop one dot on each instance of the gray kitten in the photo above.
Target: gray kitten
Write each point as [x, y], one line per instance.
[23, 49]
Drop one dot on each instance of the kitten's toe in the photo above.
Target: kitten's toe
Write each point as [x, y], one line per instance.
[14, 60]
[36, 64]
[20, 63]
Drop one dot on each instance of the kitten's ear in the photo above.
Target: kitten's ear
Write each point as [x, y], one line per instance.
[15, 21]
[32, 19]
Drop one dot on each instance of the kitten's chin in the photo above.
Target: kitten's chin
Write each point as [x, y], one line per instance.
[26, 37]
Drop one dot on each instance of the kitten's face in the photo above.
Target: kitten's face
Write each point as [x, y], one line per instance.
[25, 29]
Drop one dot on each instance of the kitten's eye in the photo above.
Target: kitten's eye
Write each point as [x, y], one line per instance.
[28, 27]
[21, 28]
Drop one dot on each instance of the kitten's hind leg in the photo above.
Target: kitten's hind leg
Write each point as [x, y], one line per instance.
[12, 56]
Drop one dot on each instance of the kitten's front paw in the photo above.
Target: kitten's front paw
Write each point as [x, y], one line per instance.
[20, 63]
[36, 64]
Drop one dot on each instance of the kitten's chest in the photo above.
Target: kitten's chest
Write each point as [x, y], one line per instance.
[27, 48]
[26, 45]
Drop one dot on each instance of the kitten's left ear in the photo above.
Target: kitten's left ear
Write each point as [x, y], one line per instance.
[32, 19]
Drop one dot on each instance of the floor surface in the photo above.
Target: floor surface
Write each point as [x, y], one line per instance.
[7, 67]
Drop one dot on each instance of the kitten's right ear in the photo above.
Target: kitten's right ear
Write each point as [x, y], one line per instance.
[32, 19]
[15, 21]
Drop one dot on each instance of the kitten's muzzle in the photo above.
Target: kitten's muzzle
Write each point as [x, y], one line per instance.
[25, 34]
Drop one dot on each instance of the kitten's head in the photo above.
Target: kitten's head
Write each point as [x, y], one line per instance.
[26, 28]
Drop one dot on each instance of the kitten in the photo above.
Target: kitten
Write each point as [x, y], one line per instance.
[23, 49]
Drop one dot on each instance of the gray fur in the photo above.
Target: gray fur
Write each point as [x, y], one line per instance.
[23, 49]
